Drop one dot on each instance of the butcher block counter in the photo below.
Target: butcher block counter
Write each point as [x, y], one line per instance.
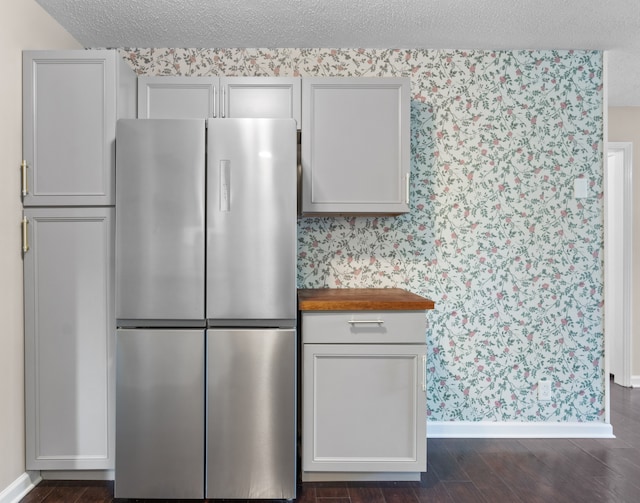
[361, 299]
[363, 384]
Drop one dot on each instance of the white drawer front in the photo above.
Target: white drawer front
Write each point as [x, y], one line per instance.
[364, 327]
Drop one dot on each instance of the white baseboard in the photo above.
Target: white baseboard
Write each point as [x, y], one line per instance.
[514, 429]
[359, 476]
[20, 487]
[635, 381]
[77, 474]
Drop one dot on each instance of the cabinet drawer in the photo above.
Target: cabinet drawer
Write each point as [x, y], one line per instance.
[360, 327]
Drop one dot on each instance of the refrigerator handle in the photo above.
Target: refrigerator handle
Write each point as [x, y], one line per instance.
[225, 185]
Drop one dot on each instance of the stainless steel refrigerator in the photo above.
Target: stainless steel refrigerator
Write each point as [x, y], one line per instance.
[205, 307]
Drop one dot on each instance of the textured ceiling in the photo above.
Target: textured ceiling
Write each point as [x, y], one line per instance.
[611, 25]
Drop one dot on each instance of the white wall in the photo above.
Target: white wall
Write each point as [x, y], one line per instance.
[624, 125]
[23, 25]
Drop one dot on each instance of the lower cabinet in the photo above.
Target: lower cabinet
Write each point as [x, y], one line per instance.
[69, 338]
[364, 403]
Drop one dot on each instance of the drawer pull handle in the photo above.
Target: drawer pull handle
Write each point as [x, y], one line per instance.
[367, 322]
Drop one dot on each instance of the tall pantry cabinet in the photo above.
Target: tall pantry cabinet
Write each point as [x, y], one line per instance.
[71, 101]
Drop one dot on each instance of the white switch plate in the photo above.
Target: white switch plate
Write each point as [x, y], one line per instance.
[544, 390]
[580, 188]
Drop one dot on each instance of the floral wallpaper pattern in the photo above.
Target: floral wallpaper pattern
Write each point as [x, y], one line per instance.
[494, 236]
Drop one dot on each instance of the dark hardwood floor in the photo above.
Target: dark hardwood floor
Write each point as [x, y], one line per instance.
[476, 470]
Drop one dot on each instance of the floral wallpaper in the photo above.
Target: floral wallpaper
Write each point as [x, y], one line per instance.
[494, 236]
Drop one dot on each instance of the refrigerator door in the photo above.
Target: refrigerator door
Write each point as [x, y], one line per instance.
[251, 222]
[160, 381]
[251, 414]
[160, 201]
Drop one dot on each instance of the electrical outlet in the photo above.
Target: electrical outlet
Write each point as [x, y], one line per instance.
[544, 390]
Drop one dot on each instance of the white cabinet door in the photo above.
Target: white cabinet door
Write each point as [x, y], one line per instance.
[261, 97]
[69, 338]
[364, 408]
[355, 145]
[173, 97]
[177, 97]
[71, 101]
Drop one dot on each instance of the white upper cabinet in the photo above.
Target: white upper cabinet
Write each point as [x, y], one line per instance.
[169, 97]
[176, 97]
[261, 97]
[355, 145]
[71, 101]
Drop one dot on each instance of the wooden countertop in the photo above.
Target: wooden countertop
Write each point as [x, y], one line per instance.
[361, 299]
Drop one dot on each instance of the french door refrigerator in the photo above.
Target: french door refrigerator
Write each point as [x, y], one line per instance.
[205, 307]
